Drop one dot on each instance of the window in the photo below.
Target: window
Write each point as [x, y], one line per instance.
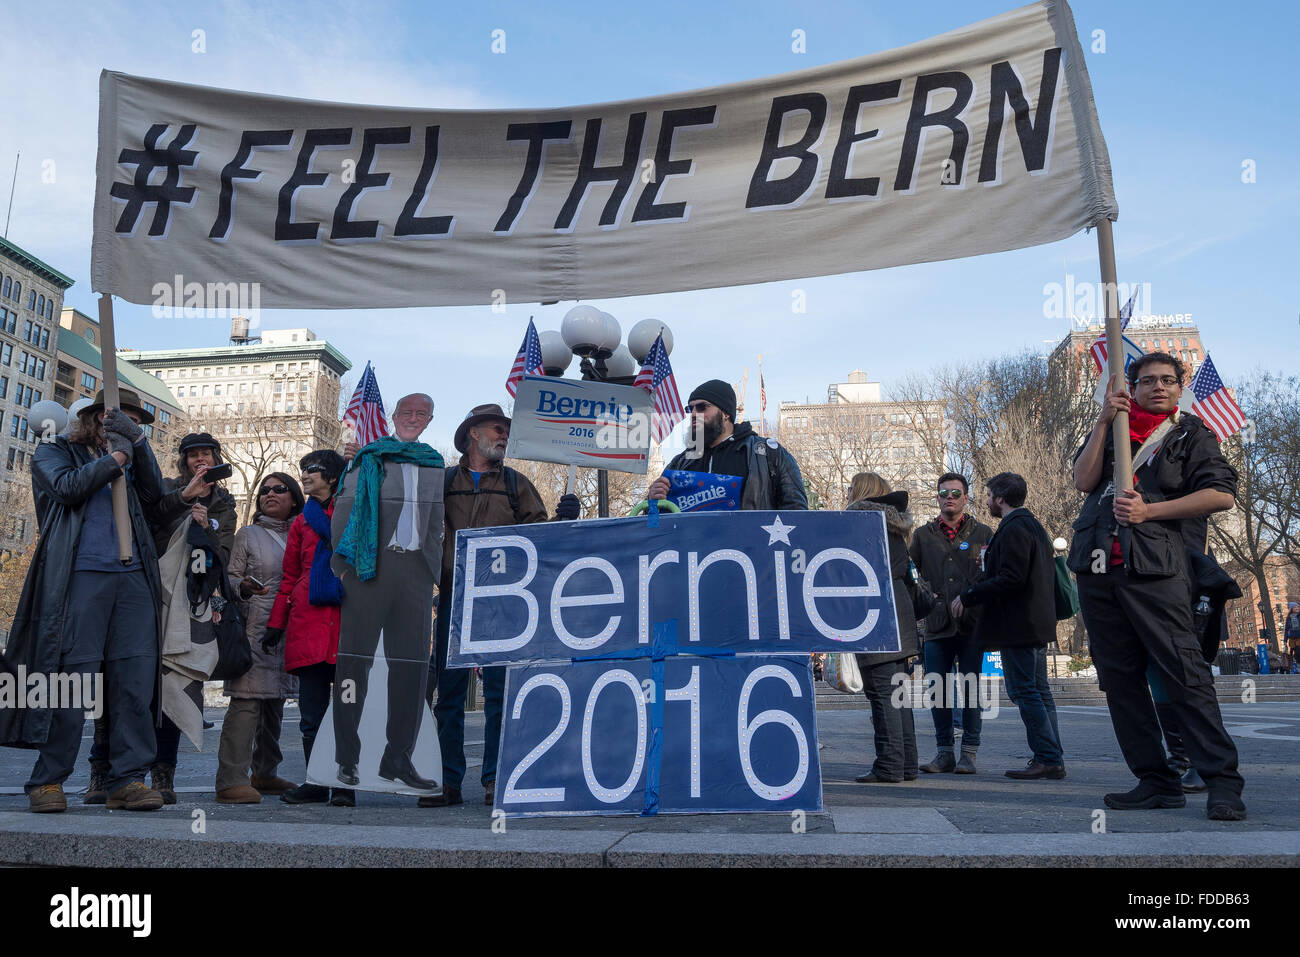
[12, 456]
[257, 387]
[45, 339]
[164, 417]
[30, 400]
[9, 284]
[40, 368]
[207, 371]
[27, 330]
[8, 320]
[40, 307]
[90, 335]
[148, 430]
[243, 370]
[151, 409]
[31, 299]
[4, 386]
[243, 388]
[279, 387]
[49, 309]
[181, 373]
[279, 367]
[18, 292]
[6, 353]
[302, 386]
[88, 381]
[288, 405]
[1196, 355]
[207, 391]
[216, 389]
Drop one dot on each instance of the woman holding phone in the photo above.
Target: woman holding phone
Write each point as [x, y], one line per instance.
[250, 736]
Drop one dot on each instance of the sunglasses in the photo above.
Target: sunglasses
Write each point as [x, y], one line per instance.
[272, 489]
[950, 493]
[700, 407]
[314, 470]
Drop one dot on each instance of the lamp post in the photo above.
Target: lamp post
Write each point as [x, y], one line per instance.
[595, 338]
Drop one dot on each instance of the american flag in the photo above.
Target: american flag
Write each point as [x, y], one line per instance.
[656, 377]
[1098, 349]
[365, 412]
[1213, 404]
[529, 360]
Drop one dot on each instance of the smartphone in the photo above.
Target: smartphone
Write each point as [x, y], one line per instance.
[218, 473]
[253, 579]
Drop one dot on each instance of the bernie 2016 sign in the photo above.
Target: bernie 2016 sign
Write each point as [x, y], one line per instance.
[667, 656]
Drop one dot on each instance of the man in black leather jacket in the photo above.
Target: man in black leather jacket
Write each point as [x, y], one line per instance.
[1134, 591]
[772, 479]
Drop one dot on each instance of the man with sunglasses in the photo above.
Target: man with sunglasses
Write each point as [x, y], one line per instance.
[1134, 588]
[718, 445]
[481, 491]
[947, 554]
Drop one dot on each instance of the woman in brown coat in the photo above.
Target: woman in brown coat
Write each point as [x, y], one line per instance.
[250, 736]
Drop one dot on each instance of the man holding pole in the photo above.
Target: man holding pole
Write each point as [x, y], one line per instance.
[1134, 591]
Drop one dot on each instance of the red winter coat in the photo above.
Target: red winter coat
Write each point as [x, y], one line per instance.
[311, 631]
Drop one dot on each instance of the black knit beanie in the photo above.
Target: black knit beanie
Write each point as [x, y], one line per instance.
[719, 393]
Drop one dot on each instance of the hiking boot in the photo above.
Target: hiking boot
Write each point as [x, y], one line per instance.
[943, 762]
[136, 796]
[343, 797]
[164, 781]
[47, 799]
[239, 794]
[448, 797]
[1144, 797]
[306, 794]
[489, 793]
[1225, 806]
[97, 790]
[273, 785]
[967, 763]
[1193, 782]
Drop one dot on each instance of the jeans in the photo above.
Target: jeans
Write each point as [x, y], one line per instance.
[940, 654]
[452, 685]
[894, 729]
[314, 683]
[1024, 671]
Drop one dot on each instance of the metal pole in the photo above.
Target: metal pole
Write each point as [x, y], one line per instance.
[1114, 354]
[108, 366]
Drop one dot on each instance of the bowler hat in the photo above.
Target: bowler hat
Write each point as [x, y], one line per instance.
[126, 399]
[478, 414]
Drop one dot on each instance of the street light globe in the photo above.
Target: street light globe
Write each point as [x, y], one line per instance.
[47, 410]
[556, 356]
[613, 335]
[621, 364]
[642, 338]
[77, 406]
[584, 330]
[1060, 544]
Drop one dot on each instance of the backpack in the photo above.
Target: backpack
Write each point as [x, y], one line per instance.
[511, 492]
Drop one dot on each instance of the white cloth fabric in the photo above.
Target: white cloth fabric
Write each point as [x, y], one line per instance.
[406, 537]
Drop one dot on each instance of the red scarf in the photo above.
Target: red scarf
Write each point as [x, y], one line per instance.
[1142, 423]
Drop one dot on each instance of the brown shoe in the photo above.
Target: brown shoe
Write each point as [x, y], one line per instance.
[135, 796]
[47, 799]
[1033, 771]
[240, 794]
[273, 785]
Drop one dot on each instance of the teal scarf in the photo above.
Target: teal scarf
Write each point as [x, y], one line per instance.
[359, 546]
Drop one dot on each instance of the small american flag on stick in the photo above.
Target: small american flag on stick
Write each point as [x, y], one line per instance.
[528, 361]
[1098, 349]
[365, 412]
[656, 377]
[1213, 403]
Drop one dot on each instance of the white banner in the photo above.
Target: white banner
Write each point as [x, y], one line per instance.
[573, 421]
[980, 140]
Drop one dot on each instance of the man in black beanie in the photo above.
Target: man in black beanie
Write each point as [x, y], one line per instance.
[718, 445]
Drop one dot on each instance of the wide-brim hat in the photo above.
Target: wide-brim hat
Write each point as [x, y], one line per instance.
[126, 399]
[480, 413]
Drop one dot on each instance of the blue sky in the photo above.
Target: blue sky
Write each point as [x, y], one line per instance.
[1186, 92]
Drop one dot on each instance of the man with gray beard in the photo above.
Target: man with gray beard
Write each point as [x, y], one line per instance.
[480, 492]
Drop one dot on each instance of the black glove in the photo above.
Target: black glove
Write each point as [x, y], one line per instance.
[117, 421]
[271, 639]
[568, 508]
[120, 443]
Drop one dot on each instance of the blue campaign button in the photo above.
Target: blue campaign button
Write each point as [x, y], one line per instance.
[963, 546]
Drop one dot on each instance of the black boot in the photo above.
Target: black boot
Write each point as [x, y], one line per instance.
[97, 790]
[164, 781]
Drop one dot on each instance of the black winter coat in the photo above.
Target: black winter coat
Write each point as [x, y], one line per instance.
[949, 568]
[64, 478]
[171, 510]
[772, 479]
[898, 523]
[1018, 591]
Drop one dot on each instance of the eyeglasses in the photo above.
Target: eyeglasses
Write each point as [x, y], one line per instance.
[950, 493]
[700, 407]
[1168, 381]
[270, 489]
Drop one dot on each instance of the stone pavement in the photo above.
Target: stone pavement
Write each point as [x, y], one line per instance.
[943, 820]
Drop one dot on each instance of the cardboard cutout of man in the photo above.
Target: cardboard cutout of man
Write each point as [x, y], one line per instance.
[388, 535]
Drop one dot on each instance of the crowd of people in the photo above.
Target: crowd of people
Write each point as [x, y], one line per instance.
[357, 543]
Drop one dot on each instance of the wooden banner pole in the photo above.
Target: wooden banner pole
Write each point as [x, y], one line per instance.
[1114, 354]
[108, 366]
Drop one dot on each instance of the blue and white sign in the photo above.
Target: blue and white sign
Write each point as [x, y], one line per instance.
[642, 737]
[735, 582]
[703, 491]
[572, 421]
